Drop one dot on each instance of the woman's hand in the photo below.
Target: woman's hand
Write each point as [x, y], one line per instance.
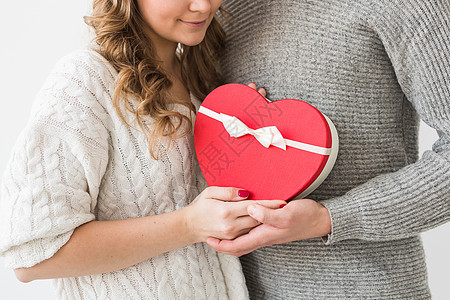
[221, 212]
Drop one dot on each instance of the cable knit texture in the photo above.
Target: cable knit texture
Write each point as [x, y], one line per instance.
[373, 67]
[75, 162]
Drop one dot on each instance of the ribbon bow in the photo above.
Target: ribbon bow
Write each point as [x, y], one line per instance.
[267, 136]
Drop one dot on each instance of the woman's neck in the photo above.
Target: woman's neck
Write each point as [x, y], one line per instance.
[166, 53]
[172, 66]
[168, 58]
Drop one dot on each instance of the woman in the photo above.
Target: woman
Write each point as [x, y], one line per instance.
[98, 190]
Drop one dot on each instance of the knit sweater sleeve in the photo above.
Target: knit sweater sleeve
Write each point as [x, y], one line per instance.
[416, 198]
[52, 180]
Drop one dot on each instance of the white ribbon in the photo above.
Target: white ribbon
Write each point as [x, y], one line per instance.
[266, 135]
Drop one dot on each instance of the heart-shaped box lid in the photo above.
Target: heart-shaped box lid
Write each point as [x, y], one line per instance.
[275, 150]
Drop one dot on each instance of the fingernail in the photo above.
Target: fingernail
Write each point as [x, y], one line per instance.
[243, 193]
[282, 205]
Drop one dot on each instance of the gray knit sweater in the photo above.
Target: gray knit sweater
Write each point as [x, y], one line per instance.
[374, 67]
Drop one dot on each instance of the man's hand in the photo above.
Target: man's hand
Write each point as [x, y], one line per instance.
[262, 91]
[298, 220]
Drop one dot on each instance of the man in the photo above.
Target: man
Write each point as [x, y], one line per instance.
[372, 67]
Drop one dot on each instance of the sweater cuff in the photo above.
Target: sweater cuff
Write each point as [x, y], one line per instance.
[345, 217]
[34, 252]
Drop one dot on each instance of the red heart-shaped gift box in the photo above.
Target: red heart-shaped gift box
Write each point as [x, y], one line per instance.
[238, 143]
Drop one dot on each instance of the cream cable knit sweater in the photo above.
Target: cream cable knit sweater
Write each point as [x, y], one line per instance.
[77, 162]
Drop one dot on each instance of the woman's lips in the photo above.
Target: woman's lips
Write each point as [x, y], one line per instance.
[194, 24]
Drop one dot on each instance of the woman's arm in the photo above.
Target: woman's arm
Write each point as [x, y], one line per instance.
[106, 246]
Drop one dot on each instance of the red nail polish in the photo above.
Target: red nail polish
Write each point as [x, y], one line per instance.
[282, 205]
[243, 193]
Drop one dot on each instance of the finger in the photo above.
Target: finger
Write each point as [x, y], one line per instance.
[222, 245]
[239, 227]
[244, 231]
[265, 215]
[252, 85]
[246, 243]
[216, 244]
[242, 244]
[226, 193]
[271, 203]
[262, 91]
[246, 222]
[239, 209]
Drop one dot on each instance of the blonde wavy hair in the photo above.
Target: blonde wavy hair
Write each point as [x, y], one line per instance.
[119, 37]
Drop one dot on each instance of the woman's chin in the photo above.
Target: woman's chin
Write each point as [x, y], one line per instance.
[193, 41]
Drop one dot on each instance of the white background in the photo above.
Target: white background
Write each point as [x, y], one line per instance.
[34, 35]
